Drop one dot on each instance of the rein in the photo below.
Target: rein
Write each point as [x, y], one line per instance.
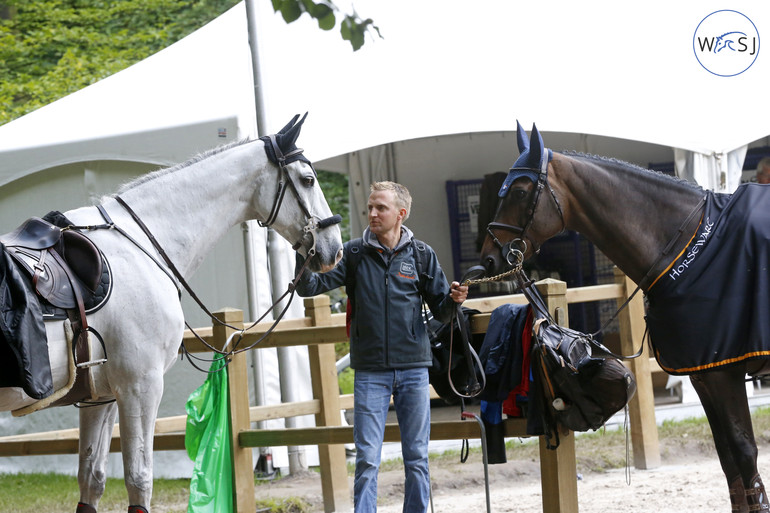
[177, 278]
[314, 224]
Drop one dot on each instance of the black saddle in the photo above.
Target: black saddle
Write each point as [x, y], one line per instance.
[70, 277]
[56, 259]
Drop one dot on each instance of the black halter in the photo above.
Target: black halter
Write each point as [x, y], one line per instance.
[314, 223]
[518, 244]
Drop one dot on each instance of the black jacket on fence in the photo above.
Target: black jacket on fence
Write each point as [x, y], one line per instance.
[23, 344]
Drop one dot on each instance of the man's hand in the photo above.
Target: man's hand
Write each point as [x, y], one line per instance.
[458, 292]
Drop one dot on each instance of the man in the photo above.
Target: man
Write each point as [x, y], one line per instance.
[389, 347]
[763, 170]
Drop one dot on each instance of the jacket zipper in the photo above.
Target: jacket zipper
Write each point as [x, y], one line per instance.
[387, 324]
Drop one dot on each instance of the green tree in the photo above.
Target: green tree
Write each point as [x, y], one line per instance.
[335, 187]
[353, 27]
[51, 48]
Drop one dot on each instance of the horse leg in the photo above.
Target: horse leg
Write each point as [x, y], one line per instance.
[138, 408]
[96, 424]
[723, 396]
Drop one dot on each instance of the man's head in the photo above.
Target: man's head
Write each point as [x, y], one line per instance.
[763, 170]
[389, 206]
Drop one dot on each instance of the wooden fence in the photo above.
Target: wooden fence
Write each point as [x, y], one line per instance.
[319, 330]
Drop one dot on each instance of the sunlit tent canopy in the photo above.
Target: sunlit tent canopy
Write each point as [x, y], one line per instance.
[436, 100]
[443, 68]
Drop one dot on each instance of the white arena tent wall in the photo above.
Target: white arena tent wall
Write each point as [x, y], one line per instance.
[436, 100]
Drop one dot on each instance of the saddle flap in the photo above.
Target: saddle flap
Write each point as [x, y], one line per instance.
[34, 233]
[50, 280]
[83, 257]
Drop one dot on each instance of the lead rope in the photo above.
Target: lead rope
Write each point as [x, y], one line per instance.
[628, 447]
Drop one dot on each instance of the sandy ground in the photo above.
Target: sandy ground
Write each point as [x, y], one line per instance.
[691, 482]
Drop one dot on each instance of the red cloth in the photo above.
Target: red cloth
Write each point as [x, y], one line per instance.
[510, 407]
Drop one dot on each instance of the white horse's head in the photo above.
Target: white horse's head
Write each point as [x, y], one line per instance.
[299, 209]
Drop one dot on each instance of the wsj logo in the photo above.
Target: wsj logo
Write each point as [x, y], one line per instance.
[726, 43]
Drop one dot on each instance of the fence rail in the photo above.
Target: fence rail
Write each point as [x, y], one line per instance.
[319, 330]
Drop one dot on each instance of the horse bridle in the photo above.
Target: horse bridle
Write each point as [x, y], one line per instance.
[514, 249]
[314, 223]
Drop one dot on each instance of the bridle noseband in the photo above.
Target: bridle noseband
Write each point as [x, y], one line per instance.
[513, 249]
[314, 223]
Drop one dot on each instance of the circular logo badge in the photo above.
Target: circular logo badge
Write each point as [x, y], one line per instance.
[726, 43]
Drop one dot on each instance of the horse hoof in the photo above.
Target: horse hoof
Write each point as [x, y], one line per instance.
[85, 508]
[137, 509]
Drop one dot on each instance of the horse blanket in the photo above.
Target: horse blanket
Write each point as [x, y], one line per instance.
[711, 307]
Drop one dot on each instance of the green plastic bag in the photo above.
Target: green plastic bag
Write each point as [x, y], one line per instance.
[207, 440]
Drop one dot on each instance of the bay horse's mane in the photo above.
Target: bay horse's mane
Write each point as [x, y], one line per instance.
[613, 163]
[192, 160]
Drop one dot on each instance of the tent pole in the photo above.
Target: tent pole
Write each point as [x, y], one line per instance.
[296, 454]
[264, 467]
[256, 70]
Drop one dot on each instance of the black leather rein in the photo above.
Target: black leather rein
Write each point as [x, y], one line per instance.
[313, 225]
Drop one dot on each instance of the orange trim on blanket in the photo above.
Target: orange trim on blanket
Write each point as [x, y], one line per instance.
[679, 255]
[689, 370]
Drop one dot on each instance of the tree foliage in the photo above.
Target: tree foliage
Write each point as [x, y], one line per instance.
[353, 27]
[335, 187]
[51, 48]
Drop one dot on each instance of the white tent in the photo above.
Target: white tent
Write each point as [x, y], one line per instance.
[435, 100]
[444, 67]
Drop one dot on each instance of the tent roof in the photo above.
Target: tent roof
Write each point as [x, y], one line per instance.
[599, 68]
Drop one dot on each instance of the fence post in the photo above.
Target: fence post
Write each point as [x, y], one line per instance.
[641, 409]
[237, 382]
[558, 479]
[323, 373]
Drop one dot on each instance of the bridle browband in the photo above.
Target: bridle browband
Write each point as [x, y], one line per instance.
[284, 179]
[519, 243]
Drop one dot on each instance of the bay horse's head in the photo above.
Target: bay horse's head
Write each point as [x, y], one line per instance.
[304, 217]
[525, 217]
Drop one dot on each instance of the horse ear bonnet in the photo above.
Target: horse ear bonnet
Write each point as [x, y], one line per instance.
[286, 139]
[533, 158]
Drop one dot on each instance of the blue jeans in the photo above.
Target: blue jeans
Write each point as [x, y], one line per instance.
[411, 398]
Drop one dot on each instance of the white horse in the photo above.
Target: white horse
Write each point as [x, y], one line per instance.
[187, 208]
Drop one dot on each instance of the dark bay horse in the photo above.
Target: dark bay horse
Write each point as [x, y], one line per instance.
[651, 226]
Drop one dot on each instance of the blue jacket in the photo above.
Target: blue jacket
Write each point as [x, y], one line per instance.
[387, 330]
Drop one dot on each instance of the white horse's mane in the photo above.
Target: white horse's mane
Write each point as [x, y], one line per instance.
[193, 160]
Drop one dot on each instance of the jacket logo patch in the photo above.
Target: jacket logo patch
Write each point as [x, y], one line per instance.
[407, 271]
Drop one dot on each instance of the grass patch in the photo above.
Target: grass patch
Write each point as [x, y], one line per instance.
[345, 379]
[290, 505]
[605, 449]
[596, 451]
[42, 493]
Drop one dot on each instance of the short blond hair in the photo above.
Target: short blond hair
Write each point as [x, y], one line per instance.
[400, 193]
